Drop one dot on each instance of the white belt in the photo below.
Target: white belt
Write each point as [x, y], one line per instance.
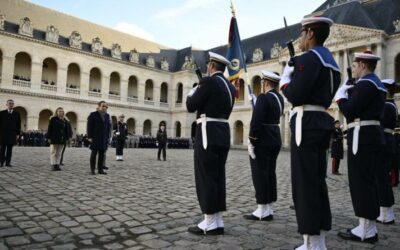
[389, 131]
[203, 120]
[300, 110]
[357, 124]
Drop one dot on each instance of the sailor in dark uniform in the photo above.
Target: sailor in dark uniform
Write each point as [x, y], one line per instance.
[310, 86]
[337, 148]
[362, 104]
[388, 122]
[213, 99]
[121, 132]
[264, 145]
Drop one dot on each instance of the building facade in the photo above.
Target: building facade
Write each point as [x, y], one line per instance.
[42, 69]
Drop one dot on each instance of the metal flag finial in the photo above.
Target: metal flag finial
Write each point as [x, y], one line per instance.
[232, 9]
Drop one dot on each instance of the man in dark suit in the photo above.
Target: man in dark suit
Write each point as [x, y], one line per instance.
[98, 131]
[10, 128]
[213, 99]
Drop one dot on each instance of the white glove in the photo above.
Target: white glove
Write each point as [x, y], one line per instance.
[253, 98]
[286, 75]
[342, 92]
[157, 144]
[250, 149]
[192, 91]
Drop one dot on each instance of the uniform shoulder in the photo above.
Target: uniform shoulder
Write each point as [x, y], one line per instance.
[309, 56]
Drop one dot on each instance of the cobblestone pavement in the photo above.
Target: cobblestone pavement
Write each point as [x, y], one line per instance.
[145, 204]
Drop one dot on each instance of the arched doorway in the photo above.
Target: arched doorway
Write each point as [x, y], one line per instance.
[256, 83]
[133, 87]
[115, 84]
[147, 127]
[148, 92]
[397, 68]
[193, 130]
[73, 119]
[179, 93]
[131, 125]
[164, 93]
[23, 114]
[1, 62]
[73, 76]
[177, 129]
[238, 138]
[49, 71]
[44, 119]
[241, 90]
[22, 67]
[114, 121]
[95, 80]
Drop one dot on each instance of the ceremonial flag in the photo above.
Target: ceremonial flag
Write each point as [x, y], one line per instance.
[235, 54]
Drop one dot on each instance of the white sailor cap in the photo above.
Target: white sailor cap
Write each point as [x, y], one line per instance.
[388, 82]
[218, 58]
[366, 55]
[270, 76]
[316, 19]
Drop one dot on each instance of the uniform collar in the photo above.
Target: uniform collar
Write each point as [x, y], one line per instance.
[216, 72]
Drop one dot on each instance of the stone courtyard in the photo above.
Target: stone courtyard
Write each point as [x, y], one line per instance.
[147, 204]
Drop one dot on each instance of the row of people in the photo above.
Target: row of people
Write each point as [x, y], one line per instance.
[309, 82]
[18, 77]
[48, 83]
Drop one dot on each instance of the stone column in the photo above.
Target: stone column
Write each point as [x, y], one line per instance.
[81, 126]
[124, 90]
[32, 122]
[61, 80]
[105, 86]
[380, 68]
[345, 64]
[7, 71]
[141, 90]
[246, 131]
[156, 94]
[84, 84]
[36, 75]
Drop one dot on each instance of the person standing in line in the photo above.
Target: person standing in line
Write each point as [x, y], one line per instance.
[121, 133]
[264, 145]
[362, 104]
[65, 145]
[98, 131]
[10, 128]
[310, 85]
[388, 121]
[213, 99]
[58, 133]
[337, 148]
[161, 141]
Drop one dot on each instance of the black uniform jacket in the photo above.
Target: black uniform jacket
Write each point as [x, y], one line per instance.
[366, 101]
[10, 127]
[312, 84]
[215, 98]
[59, 130]
[264, 125]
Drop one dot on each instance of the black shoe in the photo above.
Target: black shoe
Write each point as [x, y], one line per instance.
[165, 160]
[56, 168]
[253, 217]
[9, 165]
[92, 172]
[385, 223]
[102, 172]
[104, 167]
[1, 164]
[348, 235]
[198, 231]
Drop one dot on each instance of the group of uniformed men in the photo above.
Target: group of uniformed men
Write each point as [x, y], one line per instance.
[310, 82]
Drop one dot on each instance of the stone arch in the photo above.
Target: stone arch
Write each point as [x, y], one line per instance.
[241, 89]
[179, 93]
[238, 133]
[147, 127]
[95, 80]
[49, 71]
[256, 85]
[22, 66]
[133, 87]
[178, 129]
[115, 83]
[114, 121]
[73, 76]
[164, 92]
[148, 90]
[73, 120]
[44, 118]
[131, 122]
[397, 68]
[23, 113]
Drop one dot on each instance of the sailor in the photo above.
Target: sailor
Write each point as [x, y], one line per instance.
[213, 99]
[310, 86]
[264, 145]
[362, 104]
[337, 148]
